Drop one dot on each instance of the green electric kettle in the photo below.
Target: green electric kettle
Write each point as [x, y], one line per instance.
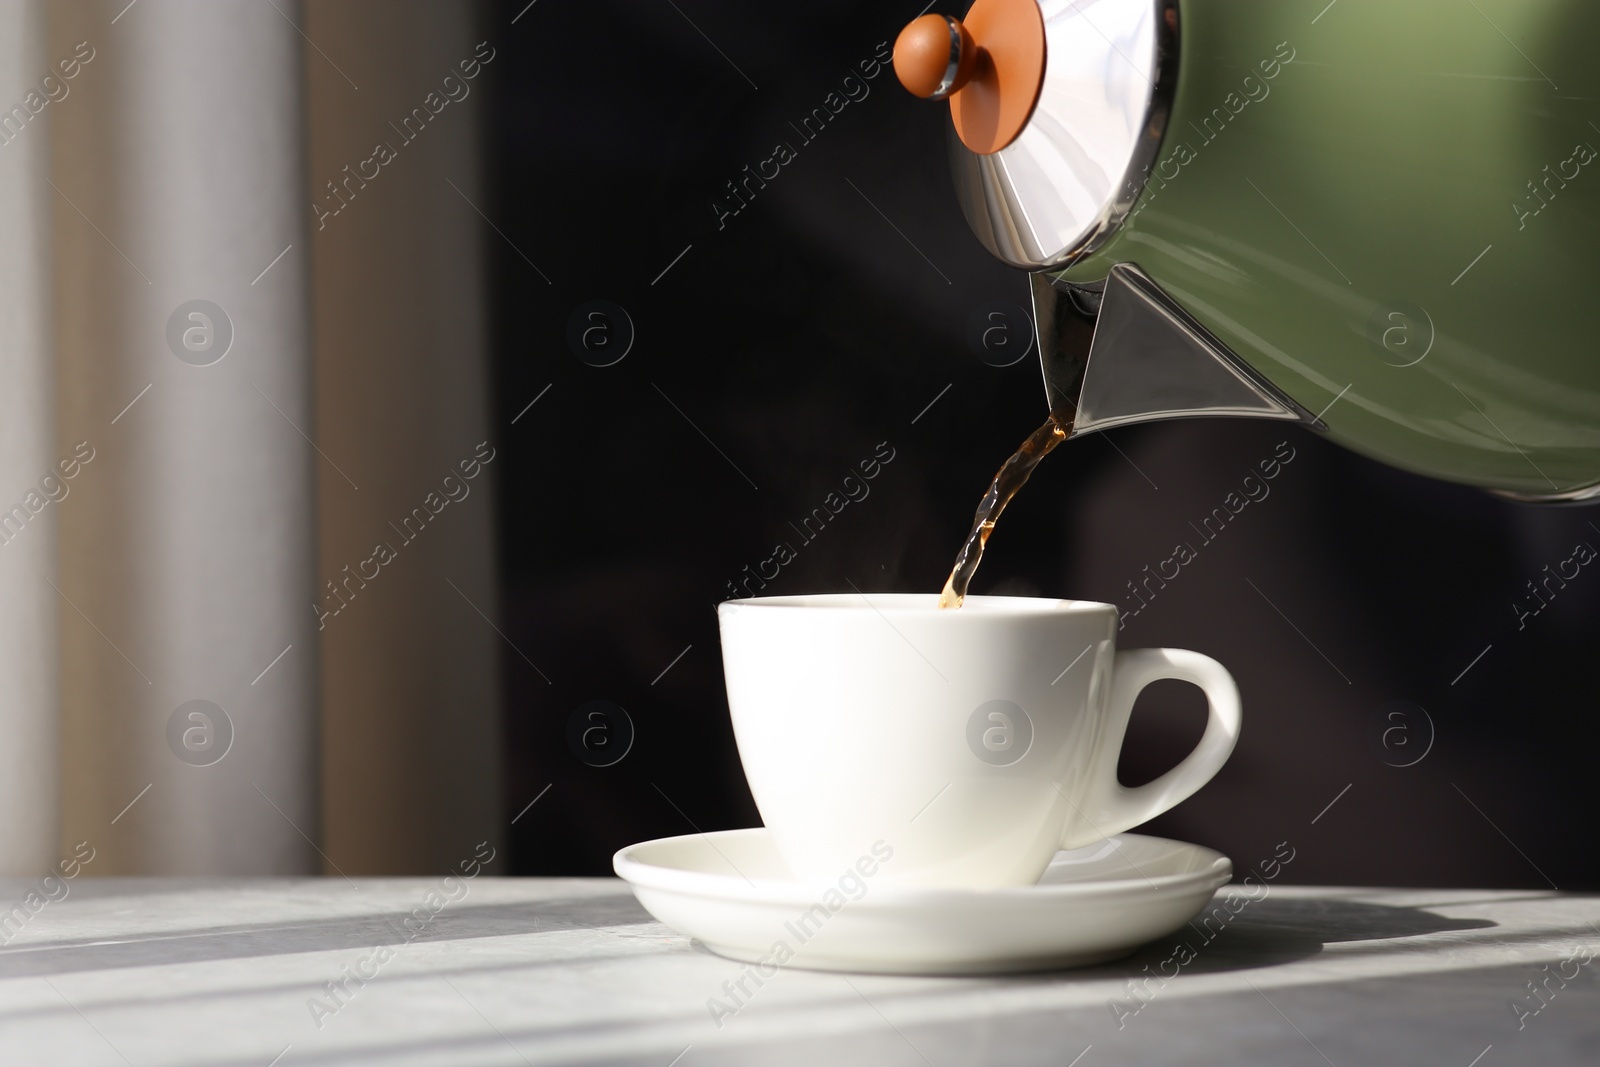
[1378, 219]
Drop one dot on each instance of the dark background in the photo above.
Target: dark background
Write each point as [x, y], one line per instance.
[821, 320]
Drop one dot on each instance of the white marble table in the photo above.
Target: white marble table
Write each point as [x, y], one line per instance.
[548, 971]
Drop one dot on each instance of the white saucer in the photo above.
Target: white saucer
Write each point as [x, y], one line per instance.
[731, 891]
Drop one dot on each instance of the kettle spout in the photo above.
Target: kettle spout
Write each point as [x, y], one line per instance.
[1130, 353]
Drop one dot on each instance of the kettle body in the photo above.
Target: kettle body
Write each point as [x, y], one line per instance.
[1383, 218]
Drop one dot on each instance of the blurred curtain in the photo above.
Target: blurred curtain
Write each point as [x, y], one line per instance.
[189, 549]
[240, 405]
[410, 685]
[29, 777]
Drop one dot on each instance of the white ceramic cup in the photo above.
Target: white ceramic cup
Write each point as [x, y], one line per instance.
[972, 742]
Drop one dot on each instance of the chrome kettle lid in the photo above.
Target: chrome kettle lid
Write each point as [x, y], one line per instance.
[1053, 193]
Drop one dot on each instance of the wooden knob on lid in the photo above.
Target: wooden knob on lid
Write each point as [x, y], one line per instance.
[935, 56]
[990, 67]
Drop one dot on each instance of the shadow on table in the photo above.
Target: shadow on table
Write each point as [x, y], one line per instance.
[350, 932]
[1276, 930]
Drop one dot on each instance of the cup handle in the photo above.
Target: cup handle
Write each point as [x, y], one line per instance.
[1109, 807]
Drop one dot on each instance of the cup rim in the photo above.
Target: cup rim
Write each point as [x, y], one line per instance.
[922, 604]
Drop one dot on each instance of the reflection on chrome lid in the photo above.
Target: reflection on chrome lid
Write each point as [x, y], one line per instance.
[1056, 192]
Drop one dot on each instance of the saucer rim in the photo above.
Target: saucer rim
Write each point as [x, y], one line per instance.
[654, 876]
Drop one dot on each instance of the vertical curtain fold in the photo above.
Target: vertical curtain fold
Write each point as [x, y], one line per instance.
[410, 686]
[32, 491]
[182, 323]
